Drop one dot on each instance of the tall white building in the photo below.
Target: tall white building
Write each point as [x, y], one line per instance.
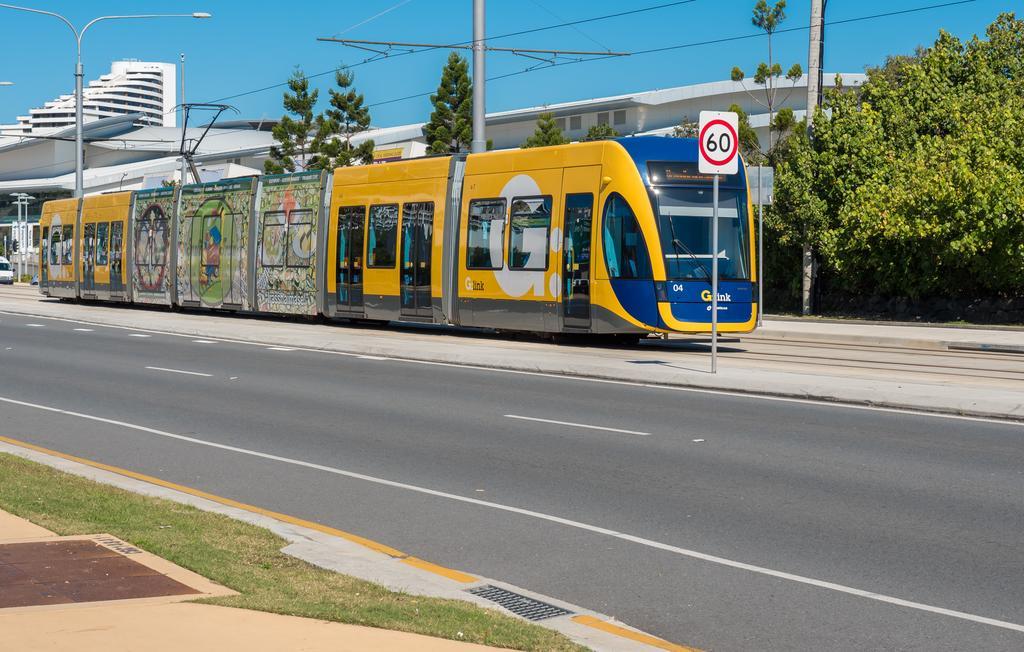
[143, 87]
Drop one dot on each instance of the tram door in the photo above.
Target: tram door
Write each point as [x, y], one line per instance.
[351, 232]
[576, 244]
[44, 258]
[116, 262]
[417, 243]
[88, 258]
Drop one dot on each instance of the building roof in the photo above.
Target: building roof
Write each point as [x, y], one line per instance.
[655, 97]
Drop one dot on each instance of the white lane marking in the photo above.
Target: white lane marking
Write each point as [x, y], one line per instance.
[85, 330]
[576, 425]
[279, 348]
[722, 561]
[372, 357]
[181, 371]
[35, 325]
[202, 341]
[138, 335]
[582, 379]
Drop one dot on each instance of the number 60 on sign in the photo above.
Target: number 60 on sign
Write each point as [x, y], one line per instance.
[718, 142]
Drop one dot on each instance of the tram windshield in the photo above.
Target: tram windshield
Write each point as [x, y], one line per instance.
[684, 225]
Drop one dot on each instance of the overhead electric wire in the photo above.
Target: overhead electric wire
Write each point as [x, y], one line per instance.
[373, 17]
[693, 45]
[637, 53]
[469, 42]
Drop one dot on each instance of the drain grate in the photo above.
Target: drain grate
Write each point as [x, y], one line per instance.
[520, 605]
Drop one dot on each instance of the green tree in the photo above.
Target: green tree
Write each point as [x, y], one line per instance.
[914, 183]
[768, 74]
[346, 118]
[750, 146]
[450, 129]
[547, 133]
[601, 132]
[294, 148]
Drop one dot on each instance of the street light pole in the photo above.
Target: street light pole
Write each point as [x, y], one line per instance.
[80, 71]
[479, 142]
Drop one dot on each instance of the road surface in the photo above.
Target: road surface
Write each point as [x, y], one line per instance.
[717, 521]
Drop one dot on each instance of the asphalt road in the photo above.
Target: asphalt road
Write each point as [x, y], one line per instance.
[722, 522]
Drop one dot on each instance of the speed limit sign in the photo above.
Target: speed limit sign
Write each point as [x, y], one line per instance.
[718, 142]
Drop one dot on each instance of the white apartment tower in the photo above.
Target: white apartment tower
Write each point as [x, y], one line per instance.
[130, 87]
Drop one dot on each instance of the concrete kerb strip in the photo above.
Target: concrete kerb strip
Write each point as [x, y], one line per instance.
[804, 387]
[774, 332]
[352, 555]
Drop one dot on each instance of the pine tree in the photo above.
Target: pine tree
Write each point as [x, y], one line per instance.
[294, 146]
[547, 133]
[347, 117]
[450, 129]
[601, 132]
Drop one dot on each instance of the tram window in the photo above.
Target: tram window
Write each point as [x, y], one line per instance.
[300, 238]
[273, 240]
[625, 252]
[68, 245]
[89, 244]
[55, 246]
[485, 243]
[529, 229]
[102, 230]
[382, 236]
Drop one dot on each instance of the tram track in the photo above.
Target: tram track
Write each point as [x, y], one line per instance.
[974, 365]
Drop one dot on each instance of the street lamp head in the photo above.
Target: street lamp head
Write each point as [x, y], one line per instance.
[201, 14]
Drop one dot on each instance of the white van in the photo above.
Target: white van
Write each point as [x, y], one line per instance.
[6, 271]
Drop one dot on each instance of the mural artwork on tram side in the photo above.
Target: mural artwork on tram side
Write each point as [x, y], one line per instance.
[213, 235]
[151, 278]
[289, 211]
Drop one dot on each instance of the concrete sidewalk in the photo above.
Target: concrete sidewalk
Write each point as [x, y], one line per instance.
[167, 624]
[969, 372]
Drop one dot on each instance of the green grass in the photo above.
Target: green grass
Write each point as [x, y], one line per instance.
[248, 559]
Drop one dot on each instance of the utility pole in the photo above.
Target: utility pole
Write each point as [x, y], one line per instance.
[815, 56]
[479, 142]
[184, 162]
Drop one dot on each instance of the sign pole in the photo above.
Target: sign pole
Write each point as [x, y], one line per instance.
[718, 153]
[714, 279]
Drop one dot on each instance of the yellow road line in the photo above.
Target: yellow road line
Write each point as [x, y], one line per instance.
[646, 639]
[422, 564]
[354, 538]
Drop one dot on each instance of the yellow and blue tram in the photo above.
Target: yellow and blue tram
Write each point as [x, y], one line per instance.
[608, 237]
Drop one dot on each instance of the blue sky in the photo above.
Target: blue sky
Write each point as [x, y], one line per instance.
[256, 43]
